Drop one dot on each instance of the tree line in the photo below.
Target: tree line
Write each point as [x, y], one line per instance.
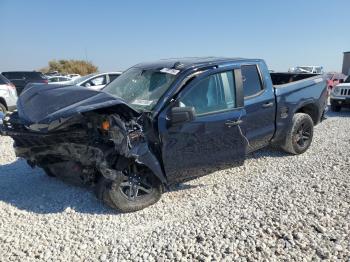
[70, 66]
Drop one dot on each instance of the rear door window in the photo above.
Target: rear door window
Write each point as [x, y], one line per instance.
[53, 79]
[252, 84]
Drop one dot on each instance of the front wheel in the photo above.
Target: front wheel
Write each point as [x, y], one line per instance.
[300, 134]
[132, 190]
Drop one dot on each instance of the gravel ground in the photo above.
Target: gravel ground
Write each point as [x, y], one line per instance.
[275, 207]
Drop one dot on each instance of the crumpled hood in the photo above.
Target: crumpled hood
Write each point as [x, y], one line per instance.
[42, 105]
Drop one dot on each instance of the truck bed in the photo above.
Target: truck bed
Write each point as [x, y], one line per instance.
[306, 93]
[286, 78]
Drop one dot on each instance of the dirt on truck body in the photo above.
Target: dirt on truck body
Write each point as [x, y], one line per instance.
[164, 122]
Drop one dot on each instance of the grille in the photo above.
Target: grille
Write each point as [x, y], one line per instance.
[345, 91]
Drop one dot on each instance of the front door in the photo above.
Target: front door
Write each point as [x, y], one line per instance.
[215, 136]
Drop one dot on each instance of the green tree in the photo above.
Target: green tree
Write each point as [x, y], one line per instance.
[70, 67]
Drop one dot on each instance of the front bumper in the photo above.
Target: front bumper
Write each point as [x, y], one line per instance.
[340, 101]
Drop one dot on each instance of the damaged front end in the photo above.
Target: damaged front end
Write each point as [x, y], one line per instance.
[103, 137]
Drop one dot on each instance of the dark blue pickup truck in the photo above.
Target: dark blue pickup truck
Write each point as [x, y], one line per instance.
[164, 122]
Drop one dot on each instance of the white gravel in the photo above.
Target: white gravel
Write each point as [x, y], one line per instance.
[276, 207]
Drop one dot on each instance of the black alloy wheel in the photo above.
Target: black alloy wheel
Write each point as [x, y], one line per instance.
[303, 135]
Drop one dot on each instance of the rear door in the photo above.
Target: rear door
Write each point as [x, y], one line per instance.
[215, 136]
[259, 103]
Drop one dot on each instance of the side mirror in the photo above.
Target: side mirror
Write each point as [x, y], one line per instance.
[182, 114]
[341, 81]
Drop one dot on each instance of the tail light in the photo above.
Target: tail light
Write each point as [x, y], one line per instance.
[45, 81]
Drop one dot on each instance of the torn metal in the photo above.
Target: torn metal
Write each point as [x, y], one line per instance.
[95, 130]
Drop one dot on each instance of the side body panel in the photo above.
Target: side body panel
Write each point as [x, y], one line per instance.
[310, 93]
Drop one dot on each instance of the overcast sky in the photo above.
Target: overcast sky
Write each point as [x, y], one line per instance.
[114, 35]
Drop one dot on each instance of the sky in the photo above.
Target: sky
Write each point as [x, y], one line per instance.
[115, 35]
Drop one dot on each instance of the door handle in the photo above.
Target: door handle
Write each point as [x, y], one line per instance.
[231, 123]
[269, 104]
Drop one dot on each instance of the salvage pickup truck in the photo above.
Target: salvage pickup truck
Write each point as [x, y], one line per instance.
[164, 122]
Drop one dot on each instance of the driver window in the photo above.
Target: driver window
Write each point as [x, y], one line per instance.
[213, 93]
[100, 80]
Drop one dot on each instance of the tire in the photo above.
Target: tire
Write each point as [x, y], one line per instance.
[3, 108]
[115, 193]
[335, 108]
[299, 136]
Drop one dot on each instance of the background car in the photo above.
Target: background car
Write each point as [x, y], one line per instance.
[8, 95]
[96, 81]
[59, 80]
[73, 76]
[307, 69]
[21, 78]
[340, 95]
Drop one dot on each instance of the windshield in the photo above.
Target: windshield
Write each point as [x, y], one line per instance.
[81, 79]
[347, 80]
[141, 88]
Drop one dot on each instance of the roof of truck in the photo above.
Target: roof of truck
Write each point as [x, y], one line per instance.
[187, 62]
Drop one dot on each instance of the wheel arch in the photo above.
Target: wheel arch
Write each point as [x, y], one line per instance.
[310, 109]
[145, 157]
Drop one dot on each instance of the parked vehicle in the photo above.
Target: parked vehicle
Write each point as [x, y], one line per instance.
[93, 81]
[21, 78]
[59, 80]
[52, 73]
[164, 122]
[334, 79]
[307, 69]
[73, 76]
[8, 95]
[96, 81]
[340, 96]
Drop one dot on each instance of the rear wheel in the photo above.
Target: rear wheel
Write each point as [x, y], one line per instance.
[299, 136]
[335, 108]
[132, 190]
[2, 108]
